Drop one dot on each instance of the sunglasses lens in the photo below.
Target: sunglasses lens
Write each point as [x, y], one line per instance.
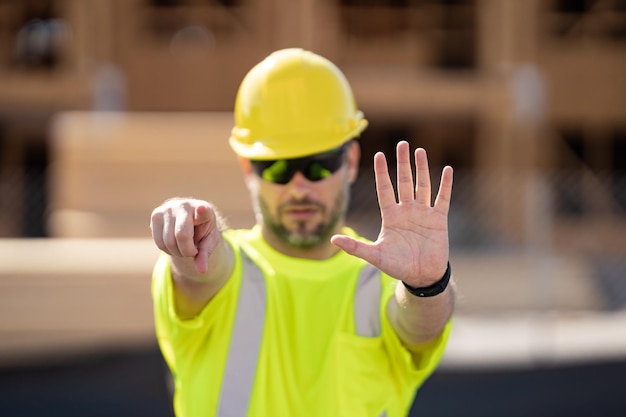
[279, 172]
[317, 171]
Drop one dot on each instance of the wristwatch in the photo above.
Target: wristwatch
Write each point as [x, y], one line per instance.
[434, 289]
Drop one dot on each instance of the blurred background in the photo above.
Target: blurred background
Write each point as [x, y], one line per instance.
[108, 107]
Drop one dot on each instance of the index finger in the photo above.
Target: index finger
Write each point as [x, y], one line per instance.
[442, 202]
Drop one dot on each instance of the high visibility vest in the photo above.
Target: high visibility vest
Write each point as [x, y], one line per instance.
[247, 353]
[245, 342]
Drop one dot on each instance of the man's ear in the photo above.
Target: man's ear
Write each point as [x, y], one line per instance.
[246, 168]
[353, 158]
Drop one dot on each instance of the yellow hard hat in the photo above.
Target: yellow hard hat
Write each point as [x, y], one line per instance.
[294, 103]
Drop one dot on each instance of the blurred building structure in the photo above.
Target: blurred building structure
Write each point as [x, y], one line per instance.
[526, 97]
[102, 101]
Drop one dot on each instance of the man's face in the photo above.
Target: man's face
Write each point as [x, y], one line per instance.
[304, 222]
[303, 214]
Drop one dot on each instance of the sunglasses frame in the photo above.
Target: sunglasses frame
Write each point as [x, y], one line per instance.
[335, 158]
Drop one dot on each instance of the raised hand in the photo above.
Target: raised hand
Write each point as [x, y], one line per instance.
[186, 228]
[413, 244]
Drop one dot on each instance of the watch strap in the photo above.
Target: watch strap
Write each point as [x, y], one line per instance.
[434, 289]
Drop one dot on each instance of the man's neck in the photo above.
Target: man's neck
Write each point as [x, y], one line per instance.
[322, 251]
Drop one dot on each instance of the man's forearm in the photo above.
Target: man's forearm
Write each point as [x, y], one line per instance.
[418, 320]
[194, 290]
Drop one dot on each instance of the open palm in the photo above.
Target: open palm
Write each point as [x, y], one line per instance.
[412, 245]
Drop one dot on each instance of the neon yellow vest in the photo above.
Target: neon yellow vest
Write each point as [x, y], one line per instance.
[294, 341]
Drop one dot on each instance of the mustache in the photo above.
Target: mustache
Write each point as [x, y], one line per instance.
[304, 202]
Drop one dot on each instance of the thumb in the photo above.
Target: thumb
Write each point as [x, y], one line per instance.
[203, 222]
[202, 214]
[204, 227]
[355, 247]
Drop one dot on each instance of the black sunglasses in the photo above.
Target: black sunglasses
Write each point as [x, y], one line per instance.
[314, 168]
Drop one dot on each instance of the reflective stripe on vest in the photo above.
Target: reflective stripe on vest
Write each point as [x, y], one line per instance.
[367, 302]
[247, 334]
[245, 343]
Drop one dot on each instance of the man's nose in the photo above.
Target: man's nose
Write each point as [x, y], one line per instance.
[299, 186]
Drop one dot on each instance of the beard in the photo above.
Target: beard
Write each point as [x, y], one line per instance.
[304, 235]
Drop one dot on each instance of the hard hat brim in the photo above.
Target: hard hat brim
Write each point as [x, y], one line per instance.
[279, 148]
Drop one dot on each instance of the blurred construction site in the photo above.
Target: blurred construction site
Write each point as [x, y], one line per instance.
[108, 107]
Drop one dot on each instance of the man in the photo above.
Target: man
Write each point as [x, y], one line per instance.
[299, 316]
